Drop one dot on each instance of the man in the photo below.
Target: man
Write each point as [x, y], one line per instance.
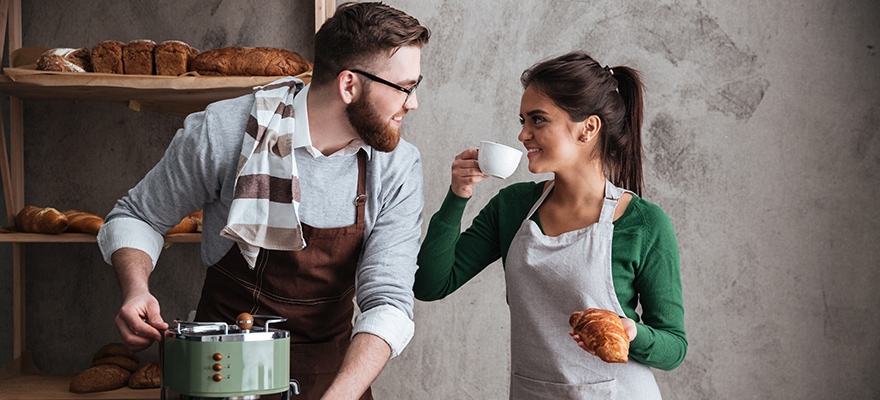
[344, 220]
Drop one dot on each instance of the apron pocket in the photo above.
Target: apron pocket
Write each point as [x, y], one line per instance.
[522, 387]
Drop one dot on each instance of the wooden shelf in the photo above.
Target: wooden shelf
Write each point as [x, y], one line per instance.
[84, 238]
[56, 387]
[179, 95]
[21, 380]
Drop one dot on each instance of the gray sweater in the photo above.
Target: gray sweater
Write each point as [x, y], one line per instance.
[198, 172]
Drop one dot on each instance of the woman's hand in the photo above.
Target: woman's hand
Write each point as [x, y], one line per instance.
[466, 173]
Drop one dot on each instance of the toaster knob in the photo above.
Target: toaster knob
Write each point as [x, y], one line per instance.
[244, 321]
[217, 356]
[217, 367]
[217, 377]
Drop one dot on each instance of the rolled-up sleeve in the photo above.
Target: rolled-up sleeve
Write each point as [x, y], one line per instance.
[388, 323]
[129, 232]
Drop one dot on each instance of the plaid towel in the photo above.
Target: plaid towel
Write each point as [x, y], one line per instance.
[264, 207]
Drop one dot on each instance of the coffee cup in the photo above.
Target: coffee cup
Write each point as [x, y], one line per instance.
[498, 160]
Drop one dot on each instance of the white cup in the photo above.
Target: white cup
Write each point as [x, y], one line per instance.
[498, 160]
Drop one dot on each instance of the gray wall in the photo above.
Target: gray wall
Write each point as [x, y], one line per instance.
[762, 144]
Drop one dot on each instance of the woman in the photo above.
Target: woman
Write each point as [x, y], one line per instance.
[584, 239]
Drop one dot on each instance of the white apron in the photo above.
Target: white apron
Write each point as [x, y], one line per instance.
[548, 278]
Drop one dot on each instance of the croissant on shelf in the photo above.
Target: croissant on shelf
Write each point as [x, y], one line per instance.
[602, 331]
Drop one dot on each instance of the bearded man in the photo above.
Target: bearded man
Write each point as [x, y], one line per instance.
[310, 198]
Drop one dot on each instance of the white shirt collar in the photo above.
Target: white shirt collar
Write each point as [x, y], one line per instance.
[302, 137]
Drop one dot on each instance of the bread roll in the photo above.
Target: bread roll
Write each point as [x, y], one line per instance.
[602, 331]
[250, 61]
[173, 57]
[137, 57]
[189, 224]
[147, 376]
[100, 378]
[34, 219]
[84, 222]
[107, 57]
[65, 60]
[115, 349]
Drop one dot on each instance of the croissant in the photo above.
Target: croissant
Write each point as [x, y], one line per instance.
[34, 219]
[81, 221]
[602, 331]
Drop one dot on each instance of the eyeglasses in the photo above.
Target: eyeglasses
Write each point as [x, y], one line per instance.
[409, 91]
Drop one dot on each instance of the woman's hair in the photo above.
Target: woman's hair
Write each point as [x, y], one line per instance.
[358, 34]
[582, 87]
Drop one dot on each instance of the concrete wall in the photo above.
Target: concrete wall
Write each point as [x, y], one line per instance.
[762, 144]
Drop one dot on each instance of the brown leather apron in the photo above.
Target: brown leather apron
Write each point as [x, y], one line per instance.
[313, 288]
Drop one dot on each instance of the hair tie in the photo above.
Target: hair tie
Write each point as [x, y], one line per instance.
[609, 70]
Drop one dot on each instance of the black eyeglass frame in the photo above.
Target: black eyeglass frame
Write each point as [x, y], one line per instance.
[408, 91]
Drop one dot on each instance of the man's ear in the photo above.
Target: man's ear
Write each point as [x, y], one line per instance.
[348, 86]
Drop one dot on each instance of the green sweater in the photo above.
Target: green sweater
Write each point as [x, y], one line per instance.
[644, 263]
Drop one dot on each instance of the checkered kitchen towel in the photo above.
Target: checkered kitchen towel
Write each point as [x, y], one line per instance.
[264, 210]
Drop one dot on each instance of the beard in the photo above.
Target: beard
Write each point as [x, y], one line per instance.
[373, 130]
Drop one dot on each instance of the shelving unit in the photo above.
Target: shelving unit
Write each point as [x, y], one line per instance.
[174, 95]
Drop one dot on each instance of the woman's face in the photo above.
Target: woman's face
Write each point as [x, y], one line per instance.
[549, 135]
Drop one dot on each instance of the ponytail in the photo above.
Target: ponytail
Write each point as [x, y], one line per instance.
[628, 173]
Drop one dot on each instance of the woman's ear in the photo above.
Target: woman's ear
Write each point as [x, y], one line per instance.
[348, 86]
[592, 125]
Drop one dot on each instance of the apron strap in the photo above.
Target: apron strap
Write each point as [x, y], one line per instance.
[361, 198]
[540, 200]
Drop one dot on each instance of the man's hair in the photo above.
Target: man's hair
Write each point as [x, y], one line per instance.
[363, 36]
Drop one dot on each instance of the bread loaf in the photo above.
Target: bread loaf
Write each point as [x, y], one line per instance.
[602, 331]
[147, 376]
[107, 57]
[84, 222]
[122, 361]
[137, 57]
[100, 378]
[250, 61]
[115, 349]
[190, 224]
[34, 219]
[173, 57]
[65, 60]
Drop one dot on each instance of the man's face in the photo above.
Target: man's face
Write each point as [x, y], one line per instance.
[377, 115]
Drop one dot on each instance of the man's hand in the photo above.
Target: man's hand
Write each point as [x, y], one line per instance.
[139, 320]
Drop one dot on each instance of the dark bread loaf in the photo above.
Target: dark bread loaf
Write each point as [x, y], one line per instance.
[250, 61]
[137, 57]
[100, 378]
[115, 349]
[65, 60]
[173, 57]
[147, 376]
[84, 222]
[107, 57]
[122, 361]
[34, 219]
